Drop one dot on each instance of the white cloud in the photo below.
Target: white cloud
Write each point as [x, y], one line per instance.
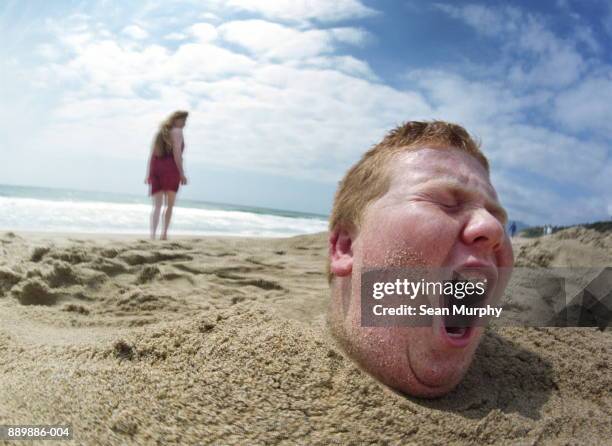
[484, 19]
[293, 107]
[533, 55]
[542, 109]
[203, 32]
[556, 61]
[272, 40]
[584, 34]
[532, 204]
[300, 10]
[587, 106]
[354, 36]
[76, 40]
[48, 51]
[107, 66]
[210, 16]
[176, 36]
[345, 64]
[496, 114]
[275, 41]
[461, 99]
[289, 98]
[135, 32]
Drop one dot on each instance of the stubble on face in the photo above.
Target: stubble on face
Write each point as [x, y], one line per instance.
[400, 356]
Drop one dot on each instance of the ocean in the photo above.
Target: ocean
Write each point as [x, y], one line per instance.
[40, 209]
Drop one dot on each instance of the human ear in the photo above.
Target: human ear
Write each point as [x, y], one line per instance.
[340, 252]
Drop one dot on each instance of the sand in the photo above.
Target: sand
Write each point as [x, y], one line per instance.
[223, 341]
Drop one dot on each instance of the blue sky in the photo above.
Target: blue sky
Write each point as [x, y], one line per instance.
[285, 95]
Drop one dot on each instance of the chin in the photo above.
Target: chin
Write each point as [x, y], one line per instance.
[421, 369]
[436, 374]
[431, 383]
[414, 361]
[428, 381]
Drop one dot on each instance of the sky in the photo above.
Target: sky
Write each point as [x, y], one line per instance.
[285, 95]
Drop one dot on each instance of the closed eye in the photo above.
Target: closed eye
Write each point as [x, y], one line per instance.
[451, 206]
[454, 198]
[446, 201]
[499, 213]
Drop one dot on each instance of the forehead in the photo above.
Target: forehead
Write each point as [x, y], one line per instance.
[425, 166]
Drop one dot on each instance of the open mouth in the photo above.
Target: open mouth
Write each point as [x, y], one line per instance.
[457, 337]
[458, 327]
[456, 332]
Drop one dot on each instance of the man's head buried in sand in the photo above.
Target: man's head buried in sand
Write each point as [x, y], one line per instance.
[420, 198]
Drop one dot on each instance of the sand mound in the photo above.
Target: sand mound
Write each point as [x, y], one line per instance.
[8, 278]
[573, 247]
[108, 266]
[62, 274]
[139, 257]
[148, 273]
[249, 375]
[73, 255]
[586, 236]
[39, 252]
[225, 343]
[34, 292]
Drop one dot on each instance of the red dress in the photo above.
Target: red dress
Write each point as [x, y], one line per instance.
[165, 175]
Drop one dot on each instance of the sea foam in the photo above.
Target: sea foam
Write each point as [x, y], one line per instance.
[32, 214]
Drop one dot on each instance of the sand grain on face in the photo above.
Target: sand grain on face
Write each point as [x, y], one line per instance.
[221, 340]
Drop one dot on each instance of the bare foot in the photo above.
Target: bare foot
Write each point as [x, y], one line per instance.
[164, 237]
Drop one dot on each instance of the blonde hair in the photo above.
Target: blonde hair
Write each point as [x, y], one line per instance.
[369, 178]
[162, 144]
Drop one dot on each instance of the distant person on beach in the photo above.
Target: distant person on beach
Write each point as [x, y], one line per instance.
[165, 169]
[421, 198]
[512, 229]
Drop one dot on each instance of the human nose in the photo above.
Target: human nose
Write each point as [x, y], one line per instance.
[483, 229]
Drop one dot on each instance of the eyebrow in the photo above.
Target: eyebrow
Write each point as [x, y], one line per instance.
[457, 188]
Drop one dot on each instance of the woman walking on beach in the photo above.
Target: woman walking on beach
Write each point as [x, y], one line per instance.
[165, 171]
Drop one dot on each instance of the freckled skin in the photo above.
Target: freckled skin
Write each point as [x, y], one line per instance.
[412, 225]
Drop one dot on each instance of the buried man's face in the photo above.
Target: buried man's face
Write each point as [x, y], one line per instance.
[440, 211]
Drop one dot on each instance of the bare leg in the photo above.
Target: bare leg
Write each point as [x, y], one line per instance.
[170, 199]
[157, 204]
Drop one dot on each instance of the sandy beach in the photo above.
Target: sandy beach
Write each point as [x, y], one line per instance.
[223, 341]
